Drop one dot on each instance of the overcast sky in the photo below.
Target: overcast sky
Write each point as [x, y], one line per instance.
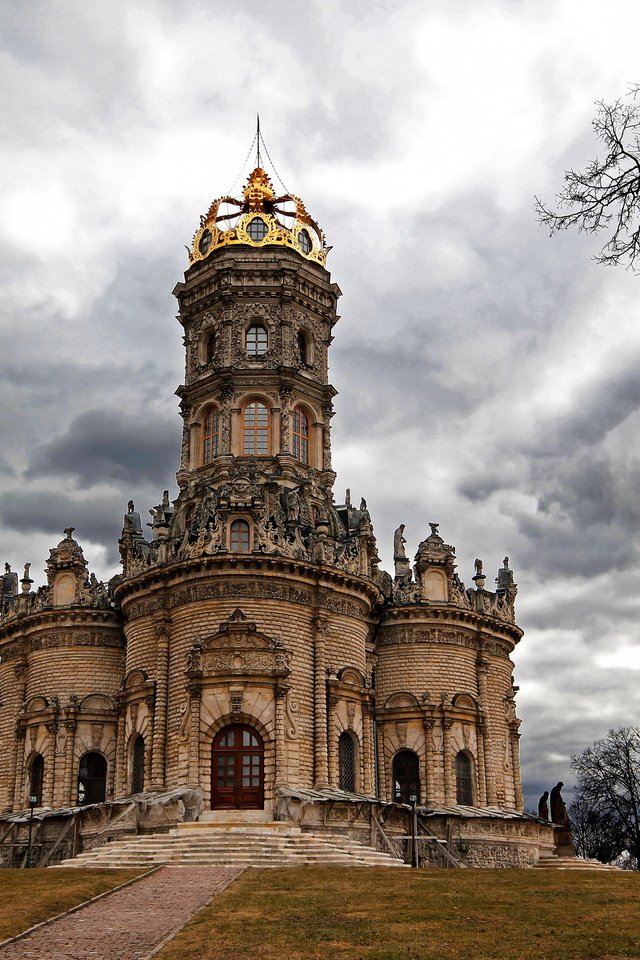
[487, 374]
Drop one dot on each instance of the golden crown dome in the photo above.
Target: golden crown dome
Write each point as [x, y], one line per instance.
[259, 220]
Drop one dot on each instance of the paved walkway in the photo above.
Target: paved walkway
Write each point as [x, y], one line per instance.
[127, 924]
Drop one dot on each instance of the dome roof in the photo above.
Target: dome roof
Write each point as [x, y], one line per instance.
[259, 220]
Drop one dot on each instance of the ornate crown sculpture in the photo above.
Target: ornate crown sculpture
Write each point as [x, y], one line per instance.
[260, 220]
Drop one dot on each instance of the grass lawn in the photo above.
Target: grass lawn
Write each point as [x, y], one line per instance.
[377, 914]
[30, 896]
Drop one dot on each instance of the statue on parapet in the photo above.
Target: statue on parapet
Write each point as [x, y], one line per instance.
[399, 552]
[543, 806]
[559, 813]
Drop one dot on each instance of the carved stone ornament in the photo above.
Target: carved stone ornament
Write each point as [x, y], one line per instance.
[239, 650]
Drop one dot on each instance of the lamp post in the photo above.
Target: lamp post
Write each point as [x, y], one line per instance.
[33, 800]
[413, 799]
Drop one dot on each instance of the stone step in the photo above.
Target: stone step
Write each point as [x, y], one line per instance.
[573, 863]
[266, 845]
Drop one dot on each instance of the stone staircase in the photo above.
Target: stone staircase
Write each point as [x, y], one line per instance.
[274, 844]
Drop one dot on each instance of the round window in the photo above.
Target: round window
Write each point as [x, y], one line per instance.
[205, 242]
[257, 229]
[305, 241]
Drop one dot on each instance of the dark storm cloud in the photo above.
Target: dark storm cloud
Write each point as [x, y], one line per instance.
[101, 446]
[97, 518]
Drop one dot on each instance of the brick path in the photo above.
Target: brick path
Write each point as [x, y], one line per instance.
[127, 924]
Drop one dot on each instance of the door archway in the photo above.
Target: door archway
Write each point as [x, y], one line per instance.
[237, 769]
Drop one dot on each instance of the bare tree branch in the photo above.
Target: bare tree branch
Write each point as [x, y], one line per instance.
[606, 195]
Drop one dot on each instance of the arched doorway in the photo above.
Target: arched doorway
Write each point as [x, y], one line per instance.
[406, 777]
[92, 778]
[237, 769]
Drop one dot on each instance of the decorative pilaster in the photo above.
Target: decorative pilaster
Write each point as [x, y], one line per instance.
[194, 735]
[320, 754]
[334, 773]
[281, 692]
[160, 714]
[482, 671]
[16, 762]
[427, 796]
[480, 764]
[367, 748]
[449, 785]
[120, 787]
[19, 752]
[514, 737]
[69, 752]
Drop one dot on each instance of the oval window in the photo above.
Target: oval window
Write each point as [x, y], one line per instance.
[257, 229]
[205, 242]
[305, 241]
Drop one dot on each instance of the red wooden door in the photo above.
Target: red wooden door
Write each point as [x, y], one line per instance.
[237, 769]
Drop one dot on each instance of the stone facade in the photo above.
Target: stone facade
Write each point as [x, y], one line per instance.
[257, 609]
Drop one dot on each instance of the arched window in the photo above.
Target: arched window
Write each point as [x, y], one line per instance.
[92, 779]
[255, 430]
[240, 539]
[137, 765]
[464, 781]
[211, 436]
[406, 777]
[346, 762]
[256, 340]
[300, 435]
[303, 347]
[36, 779]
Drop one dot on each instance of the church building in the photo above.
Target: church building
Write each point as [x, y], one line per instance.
[252, 648]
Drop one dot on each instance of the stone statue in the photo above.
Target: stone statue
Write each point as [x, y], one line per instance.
[504, 579]
[478, 567]
[434, 529]
[293, 507]
[27, 568]
[543, 806]
[68, 531]
[559, 813]
[399, 552]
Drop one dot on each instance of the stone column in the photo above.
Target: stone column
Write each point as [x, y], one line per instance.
[158, 762]
[483, 670]
[428, 792]
[449, 785]
[480, 764]
[382, 763]
[18, 771]
[514, 737]
[367, 747]
[281, 691]
[194, 736]
[334, 773]
[69, 751]
[326, 436]
[49, 786]
[235, 431]
[120, 786]
[16, 763]
[320, 746]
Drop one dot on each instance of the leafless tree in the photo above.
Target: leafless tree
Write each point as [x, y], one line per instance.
[606, 194]
[607, 795]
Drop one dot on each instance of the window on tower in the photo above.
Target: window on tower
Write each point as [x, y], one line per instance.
[256, 340]
[300, 435]
[211, 436]
[303, 347]
[210, 348]
[255, 430]
[240, 537]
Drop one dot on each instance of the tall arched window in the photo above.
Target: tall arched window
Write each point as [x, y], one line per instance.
[256, 340]
[300, 435]
[36, 779]
[255, 429]
[210, 348]
[464, 781]
[211, 436]
[406, 777]
[137, 765]
[303, 347]
[346, 762]
[92, 778]
[240, 538]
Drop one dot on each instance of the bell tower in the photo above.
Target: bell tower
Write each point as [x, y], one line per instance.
[258, 307]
